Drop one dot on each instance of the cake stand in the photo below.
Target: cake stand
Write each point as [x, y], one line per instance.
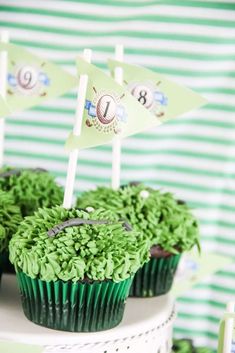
[146, 327]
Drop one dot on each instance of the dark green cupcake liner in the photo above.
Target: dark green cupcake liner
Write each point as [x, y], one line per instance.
[155, 277]
[6, 266]
[73, 306]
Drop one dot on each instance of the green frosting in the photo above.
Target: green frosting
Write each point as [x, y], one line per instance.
[157, 215]
[187, 346]
[88, 251]
[32, 189]
[10, 217]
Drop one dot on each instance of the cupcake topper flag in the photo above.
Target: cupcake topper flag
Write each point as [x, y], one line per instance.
[110, 111]
[163, 98]
[31, 80]
[27, 80]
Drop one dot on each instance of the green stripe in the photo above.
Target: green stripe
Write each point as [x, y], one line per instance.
[186, 170]
[117, 33]
[202, 122]
[220, 5]
[60, 110]
[114, 3]
[104, 18]
[218, 222]
[217, 288]
[222, 207]
[146, 136]
[129, 51]
[228, 274]
[49, 125]
[220, 239]
[194, 187]
[198, 316]
[185, 137]
[222, 90]
[162, 70]
[195, 301]
[195, 333]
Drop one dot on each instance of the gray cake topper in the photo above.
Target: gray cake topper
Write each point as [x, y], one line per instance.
[80, 221]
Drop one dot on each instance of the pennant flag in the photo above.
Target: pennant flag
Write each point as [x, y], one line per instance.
[109, 110]
[194, 268]
[31, 80]
[4, 108]
[162, 97]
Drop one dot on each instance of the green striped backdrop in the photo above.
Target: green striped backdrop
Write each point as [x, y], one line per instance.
[194, 156]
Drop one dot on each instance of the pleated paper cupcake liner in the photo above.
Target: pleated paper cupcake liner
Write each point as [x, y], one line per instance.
[155, 277]
[74, 306]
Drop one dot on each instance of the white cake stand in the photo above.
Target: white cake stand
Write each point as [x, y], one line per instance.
[146, 327]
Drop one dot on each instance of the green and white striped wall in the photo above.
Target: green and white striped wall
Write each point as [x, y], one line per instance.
[193, 42]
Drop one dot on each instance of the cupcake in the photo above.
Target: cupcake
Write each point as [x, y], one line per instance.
[31, 188]
[162, 219]
[10, 217]
[75, 267]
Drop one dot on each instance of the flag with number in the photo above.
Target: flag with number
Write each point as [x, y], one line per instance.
[159, 95]
[31, 79]
[4, 108]
[109, 111]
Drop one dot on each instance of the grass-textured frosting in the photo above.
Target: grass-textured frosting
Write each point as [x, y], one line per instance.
[84, 252]
[10, 217]
[166, 222]
[32, 189]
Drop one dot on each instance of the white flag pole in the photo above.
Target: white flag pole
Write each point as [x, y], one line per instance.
[4, 38]
[228, 329]
[116, 146]
[73, 156]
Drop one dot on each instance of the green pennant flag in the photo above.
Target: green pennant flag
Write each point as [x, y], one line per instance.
[194, 268]
[31, 80]
[162, 97]
[110, 110]
[4, 108]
